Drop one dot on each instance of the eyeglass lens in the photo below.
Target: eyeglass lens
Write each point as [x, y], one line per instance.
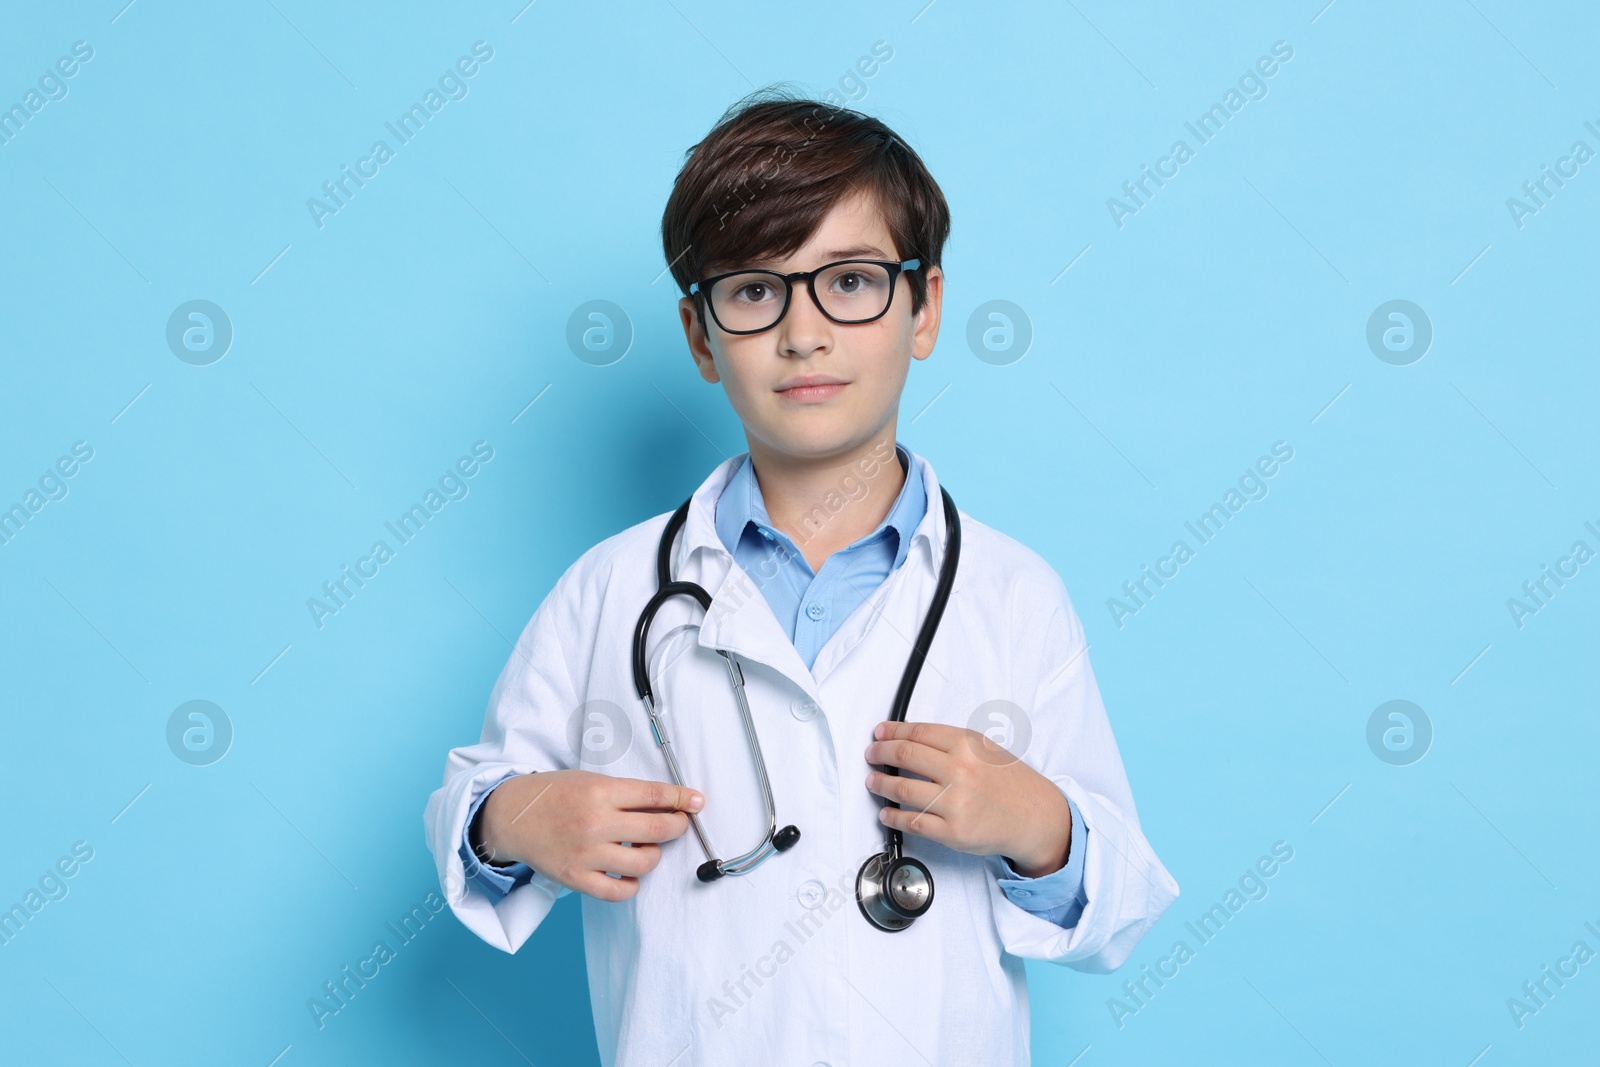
[754, 300]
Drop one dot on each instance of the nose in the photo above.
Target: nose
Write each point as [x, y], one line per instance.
[804, 329]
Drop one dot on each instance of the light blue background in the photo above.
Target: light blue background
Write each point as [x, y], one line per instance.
[426, 315]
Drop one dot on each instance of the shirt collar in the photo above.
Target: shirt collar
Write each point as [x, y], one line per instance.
[740, 504]
[732, 624]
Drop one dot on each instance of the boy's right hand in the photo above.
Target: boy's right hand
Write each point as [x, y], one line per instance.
[569, 826]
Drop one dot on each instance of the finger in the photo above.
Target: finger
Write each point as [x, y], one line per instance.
[645, 827]
[638, 794]
[604, 887]
[907, 792]
[933, 734]
[634, 861]
[912, 756]
[922, 823]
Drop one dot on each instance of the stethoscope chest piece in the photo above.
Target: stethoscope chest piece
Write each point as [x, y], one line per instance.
[893, 891]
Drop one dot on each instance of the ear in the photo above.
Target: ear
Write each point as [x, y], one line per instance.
[927, 319]
[699, 344]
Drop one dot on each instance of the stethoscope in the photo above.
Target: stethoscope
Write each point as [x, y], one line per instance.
[892, 889]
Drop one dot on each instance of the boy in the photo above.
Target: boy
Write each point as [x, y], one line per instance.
[820, 548]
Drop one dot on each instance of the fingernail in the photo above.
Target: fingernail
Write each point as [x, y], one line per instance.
[696, 801]
[877, 731]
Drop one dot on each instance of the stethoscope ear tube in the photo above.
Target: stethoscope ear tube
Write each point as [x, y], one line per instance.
[892, 889]
[641, 630]
[775, 840]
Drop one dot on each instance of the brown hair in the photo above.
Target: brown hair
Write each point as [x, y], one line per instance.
[761, 181]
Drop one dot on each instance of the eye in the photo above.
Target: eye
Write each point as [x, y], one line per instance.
[853, 282]
[753, 292]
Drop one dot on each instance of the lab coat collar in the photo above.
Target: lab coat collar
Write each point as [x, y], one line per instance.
[740, 620]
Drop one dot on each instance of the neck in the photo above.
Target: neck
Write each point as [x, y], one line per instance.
[825, 504]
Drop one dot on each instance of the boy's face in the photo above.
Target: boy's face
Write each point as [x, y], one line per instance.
[870, 360]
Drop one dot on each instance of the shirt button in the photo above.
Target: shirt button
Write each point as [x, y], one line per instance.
[1022, 892]
[805, 710]
[767, 534]
[811, 893]
[816, 611]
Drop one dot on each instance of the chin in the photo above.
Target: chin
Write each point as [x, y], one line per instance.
[819, 439]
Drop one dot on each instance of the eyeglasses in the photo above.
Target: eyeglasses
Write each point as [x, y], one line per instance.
[853, 291]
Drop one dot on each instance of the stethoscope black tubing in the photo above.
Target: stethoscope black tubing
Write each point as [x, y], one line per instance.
[666, 589]
[919, 649]
[641, 630]
[930, 626]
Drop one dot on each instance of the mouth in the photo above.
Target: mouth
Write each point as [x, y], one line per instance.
[812, 390]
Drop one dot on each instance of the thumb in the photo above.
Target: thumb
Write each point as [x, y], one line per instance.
[690, 799]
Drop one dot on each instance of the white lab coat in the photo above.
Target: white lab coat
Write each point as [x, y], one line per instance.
[778, 966]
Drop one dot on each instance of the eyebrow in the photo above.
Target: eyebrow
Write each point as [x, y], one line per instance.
[857, 252]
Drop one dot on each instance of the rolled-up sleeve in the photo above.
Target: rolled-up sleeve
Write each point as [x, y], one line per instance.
[495, 882]
[1056, 897]
[1125, 889]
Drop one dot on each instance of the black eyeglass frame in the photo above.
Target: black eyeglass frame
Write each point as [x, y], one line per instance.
[699, 290]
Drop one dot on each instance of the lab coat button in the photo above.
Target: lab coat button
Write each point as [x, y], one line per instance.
[811, 893]
[805, 710]
[816, 611]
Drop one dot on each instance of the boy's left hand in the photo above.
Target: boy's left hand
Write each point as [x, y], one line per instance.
[979, 798]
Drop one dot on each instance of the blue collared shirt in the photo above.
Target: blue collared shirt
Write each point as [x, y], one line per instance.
[811, 606]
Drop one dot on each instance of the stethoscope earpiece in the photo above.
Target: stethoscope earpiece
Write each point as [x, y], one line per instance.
[782, 841]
